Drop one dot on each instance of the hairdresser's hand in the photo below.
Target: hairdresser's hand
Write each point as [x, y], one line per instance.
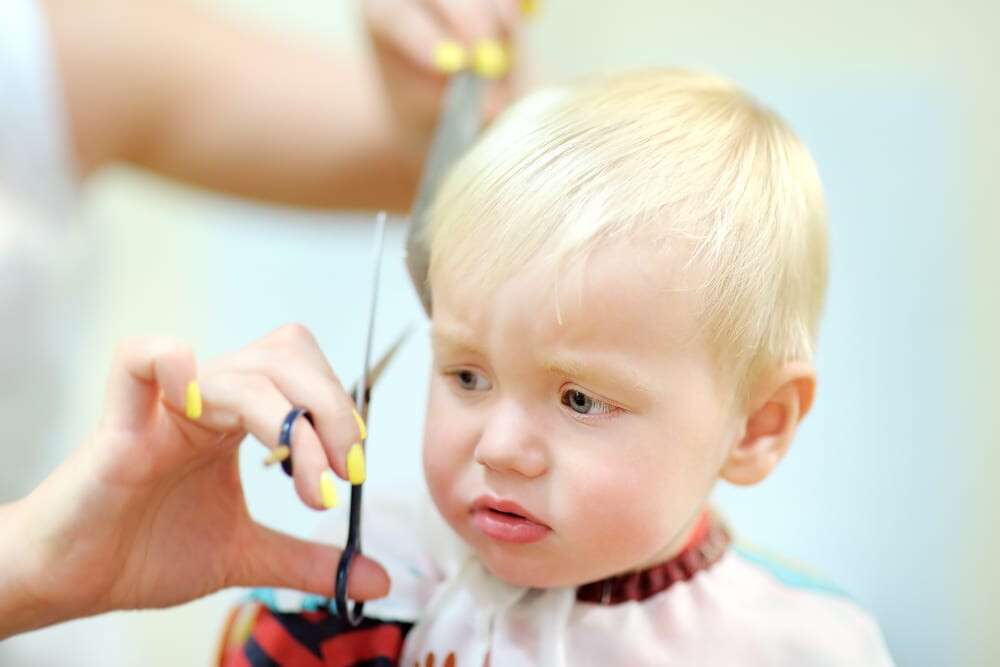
[407, 36]
[150, 512]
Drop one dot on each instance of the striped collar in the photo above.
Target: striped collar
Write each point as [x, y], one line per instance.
[707, 545]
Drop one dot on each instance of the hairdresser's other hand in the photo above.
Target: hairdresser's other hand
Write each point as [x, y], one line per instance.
[150, 511]
[408, 35]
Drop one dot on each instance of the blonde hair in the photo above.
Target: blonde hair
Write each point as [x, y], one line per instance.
[668, 156]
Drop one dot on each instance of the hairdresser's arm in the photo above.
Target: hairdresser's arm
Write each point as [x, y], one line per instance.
[19, 609]
[194, 96]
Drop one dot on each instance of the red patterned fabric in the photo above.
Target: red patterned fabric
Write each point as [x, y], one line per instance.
[257, 637]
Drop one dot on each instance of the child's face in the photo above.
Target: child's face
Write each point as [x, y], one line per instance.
[566, 453]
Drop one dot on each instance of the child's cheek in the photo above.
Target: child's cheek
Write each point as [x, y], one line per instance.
[431, 447]
[625, 517]
[600, 504]
[438, 461]
[640, 516]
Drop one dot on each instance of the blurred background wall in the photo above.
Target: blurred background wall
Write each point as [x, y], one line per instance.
[889, 490]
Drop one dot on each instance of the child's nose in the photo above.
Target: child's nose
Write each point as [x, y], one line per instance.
[510, 443]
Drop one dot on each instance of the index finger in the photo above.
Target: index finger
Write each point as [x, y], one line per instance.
[408, 30]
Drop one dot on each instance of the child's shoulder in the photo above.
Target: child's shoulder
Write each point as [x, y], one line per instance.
[801, 614]
[748, 608]
[791, 574]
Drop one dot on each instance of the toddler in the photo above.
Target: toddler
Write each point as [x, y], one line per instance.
[627, 276]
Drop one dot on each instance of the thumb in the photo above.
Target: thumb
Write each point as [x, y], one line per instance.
[278, 560]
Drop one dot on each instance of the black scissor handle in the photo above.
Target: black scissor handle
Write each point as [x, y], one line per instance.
[351, 613]
[285, 437]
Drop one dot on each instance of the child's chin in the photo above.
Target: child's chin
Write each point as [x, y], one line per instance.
[519, 572]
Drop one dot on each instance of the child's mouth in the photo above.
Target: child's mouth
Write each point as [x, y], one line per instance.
[506, 521]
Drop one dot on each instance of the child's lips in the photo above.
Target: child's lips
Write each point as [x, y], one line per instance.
[506, 521]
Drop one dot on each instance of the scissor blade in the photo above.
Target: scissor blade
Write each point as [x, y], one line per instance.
[376, 371]
[361, 397]
[456, 130]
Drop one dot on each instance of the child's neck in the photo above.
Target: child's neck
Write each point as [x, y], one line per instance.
[692, 531]
[702, 543]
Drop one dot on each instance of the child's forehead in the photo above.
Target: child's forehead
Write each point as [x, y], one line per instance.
[610, 295]
[565, 270]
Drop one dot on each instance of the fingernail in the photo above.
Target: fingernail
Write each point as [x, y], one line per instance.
[356, 464]
[362, 429]
[192, 400]
[489, 59]
[529, 7]
[449, 57]
[277, 455]
[327, 489]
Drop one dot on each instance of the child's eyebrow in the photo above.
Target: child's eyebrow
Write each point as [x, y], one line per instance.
[596, 371]
[453, 339]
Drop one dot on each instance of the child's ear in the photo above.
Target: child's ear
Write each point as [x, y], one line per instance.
[777, 403]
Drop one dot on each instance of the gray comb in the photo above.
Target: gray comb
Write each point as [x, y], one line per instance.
[456, 130]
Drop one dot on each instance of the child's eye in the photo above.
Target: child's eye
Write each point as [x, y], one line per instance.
[580, 402]
[471, 380]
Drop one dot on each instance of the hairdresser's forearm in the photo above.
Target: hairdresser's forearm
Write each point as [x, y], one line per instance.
[183, 92]
[45, 538]
[294, 126]
[20, 608]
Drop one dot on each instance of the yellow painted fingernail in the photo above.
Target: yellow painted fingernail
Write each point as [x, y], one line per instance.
[489, 59]
[362, 429]
[529, 7]
[277, 455]
[192, 400]
[356, 464]
[327, 489]
[449, 57]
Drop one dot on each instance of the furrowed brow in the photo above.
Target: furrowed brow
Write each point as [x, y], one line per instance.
[599, 373]
[454, 340]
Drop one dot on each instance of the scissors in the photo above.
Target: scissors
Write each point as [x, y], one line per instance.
[362, 397]
[457, 128]
[361, 392]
